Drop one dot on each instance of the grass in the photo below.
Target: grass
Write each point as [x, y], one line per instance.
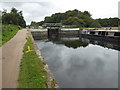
[0, 35]
[113, 28]
[7, 32]
[32, 73]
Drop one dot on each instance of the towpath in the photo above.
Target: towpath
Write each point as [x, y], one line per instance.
[11, 56]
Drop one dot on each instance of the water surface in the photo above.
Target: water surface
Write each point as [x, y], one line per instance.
[78, 64]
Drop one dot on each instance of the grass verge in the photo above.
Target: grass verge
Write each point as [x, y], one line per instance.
[7, 32]
[32, 73]
[113, 28]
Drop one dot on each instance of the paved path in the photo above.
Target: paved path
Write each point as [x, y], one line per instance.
[11, 56]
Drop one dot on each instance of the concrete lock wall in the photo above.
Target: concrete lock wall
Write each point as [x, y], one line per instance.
[110, 33]
[39, 35]
[69, 33]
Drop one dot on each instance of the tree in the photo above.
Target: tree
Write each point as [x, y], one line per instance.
[71, 17]
[4, 11]
[95, 24]
[109, 22]
[14, 10]
[74, 21]
[79, 19]
[87, 13]
[14, 17]
[41, 23]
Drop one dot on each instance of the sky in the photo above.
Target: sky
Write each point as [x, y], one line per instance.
[37, 10]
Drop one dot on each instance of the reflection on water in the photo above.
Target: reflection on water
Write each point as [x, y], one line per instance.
[76, 63]
[71, 42]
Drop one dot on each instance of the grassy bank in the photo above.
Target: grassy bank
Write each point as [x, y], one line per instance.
[113, 28]
[0, 35]
[8, 31]
[32, 73]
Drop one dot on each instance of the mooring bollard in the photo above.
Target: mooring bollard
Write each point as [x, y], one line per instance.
[28, 48]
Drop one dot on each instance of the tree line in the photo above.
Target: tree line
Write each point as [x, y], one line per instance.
[78, 18]
[13, 17]
[109, 22]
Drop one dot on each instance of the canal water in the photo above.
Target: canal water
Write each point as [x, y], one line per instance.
[81, 63]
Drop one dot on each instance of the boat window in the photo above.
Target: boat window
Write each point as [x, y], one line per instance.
[117, 34]
[92, 33]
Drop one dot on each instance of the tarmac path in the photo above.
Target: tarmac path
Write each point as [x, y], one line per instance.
[11, 56]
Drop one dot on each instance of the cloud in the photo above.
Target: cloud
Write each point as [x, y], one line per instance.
[36, 10]
[31, 11]
[98, 8]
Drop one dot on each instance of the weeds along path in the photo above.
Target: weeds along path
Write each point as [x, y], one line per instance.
[11, 56]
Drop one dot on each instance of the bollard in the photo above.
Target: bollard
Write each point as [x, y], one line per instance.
[28, 48]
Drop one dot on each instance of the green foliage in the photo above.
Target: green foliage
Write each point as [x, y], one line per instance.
[71, 17]
[8, 31]
[109, 22]
[32, 72]
[113, 28]
[78, 18]
[74, 18]
[74, 21]
[14, 17]
[87, 13]
[95, 24]
[36, 24]
[55, 18]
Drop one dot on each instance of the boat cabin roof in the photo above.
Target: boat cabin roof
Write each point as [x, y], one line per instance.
[103, 30]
